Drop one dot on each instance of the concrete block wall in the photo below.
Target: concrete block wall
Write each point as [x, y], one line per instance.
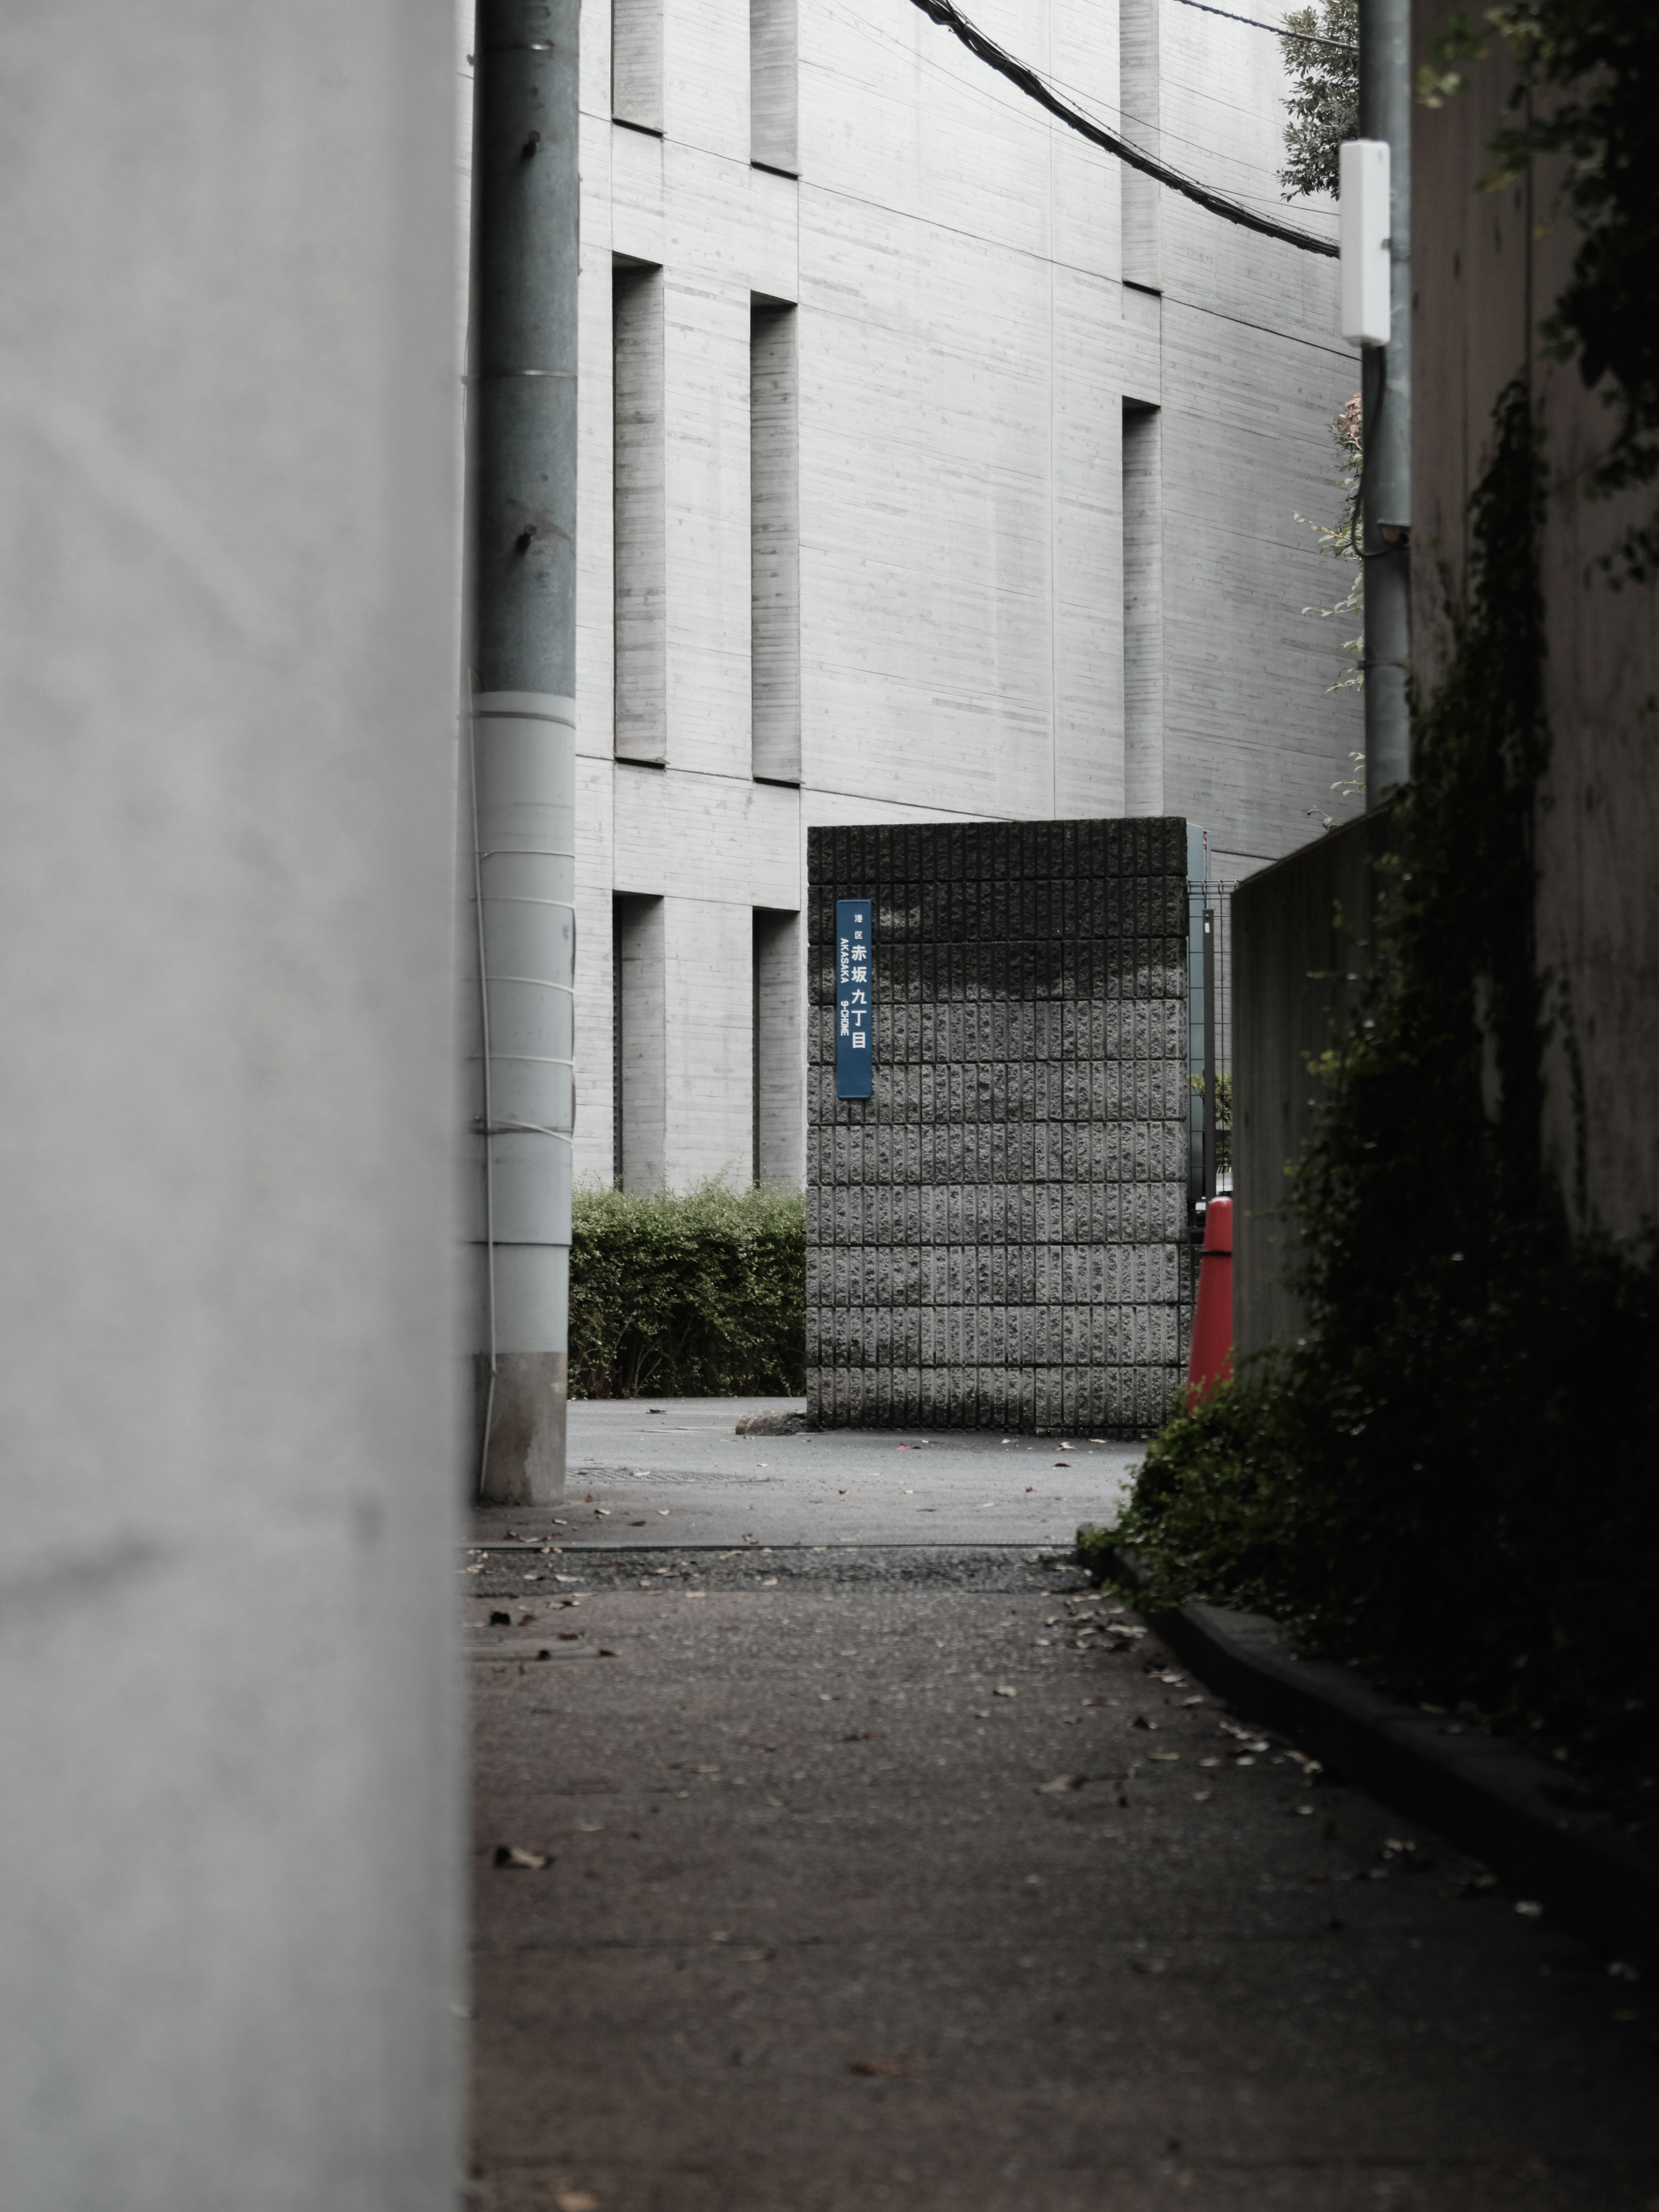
[996, 1238]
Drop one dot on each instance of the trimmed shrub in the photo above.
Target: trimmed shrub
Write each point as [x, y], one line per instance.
[699, 1295]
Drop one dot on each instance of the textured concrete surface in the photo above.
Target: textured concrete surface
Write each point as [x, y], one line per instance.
[867, 1885]
[686, 1475]
[996, 1238]
[230, 1856]
[974, 598]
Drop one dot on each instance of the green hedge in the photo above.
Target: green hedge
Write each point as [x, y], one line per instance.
[702, 1295]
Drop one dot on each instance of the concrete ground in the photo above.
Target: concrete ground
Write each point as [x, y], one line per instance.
[679, 1460]
[854, 1867]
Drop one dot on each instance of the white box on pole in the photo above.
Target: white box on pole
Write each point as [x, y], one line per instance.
[1365, 253]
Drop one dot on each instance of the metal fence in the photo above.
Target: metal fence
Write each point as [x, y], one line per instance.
[1210, 1040]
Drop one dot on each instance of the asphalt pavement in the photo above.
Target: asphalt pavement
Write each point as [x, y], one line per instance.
[825, 1862]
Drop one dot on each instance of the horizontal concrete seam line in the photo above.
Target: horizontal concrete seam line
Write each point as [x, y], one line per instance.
[1483, 1796]
[1307, 337]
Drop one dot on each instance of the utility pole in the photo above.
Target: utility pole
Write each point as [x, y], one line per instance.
[1385, 114]
[522, 423]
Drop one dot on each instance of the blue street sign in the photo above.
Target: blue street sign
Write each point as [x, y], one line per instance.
[855, 1040]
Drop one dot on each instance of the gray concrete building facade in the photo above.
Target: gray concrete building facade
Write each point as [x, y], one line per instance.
[932, 469]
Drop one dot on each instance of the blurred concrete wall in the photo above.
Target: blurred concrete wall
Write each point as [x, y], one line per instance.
[228, 1858]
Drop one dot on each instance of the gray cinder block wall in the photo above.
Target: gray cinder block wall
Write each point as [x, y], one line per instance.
[229, 1859]
[997, 1237]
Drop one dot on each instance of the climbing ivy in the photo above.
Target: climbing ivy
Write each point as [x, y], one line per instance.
[1449, 1480]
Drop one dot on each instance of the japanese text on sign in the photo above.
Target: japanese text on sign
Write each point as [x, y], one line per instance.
[854, 988]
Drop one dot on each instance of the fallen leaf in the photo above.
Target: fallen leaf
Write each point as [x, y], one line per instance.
[1003, 1690]
[576, 2200]
[1306, 1811]
[1192, 1701]
[601, 1512]
[1061, 1784]
[500, 1620]
[515, 1854]
[885, 2069]
[719, 1936]
[1141, 1721]
[1164, 1758]
[1529, 1908]
[1202, 1797]
[663, 1511]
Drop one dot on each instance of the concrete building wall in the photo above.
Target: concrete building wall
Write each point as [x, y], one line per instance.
[229, 1863]
[951, 389]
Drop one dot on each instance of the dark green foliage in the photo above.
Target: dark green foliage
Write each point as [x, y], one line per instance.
[1323, 107]
[1587, 82]
[1450, 1481]
[699, 1296]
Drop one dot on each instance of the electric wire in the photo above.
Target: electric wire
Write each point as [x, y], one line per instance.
[1089, 103]
[1279, 30]
[950, 19]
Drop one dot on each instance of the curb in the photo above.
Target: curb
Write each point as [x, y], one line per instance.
[1483, 1796]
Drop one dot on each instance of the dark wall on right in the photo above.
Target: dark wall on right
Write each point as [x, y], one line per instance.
[1301, 946]
[1485, 265]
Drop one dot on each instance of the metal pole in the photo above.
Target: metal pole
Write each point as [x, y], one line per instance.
[1209, 1053]
[522, 418]
[1385, 112]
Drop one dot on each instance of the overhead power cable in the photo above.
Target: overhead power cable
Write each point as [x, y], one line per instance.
[1279, 30]
[1031, 84]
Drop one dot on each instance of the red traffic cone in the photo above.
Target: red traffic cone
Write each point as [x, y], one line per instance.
[1211, 1360]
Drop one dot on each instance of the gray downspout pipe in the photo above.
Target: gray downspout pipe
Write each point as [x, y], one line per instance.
[522, 426]
[1385, 112]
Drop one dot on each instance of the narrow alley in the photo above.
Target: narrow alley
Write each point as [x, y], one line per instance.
[836, 1845]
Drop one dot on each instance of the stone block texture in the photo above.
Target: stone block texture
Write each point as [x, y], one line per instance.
[997, 1237]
